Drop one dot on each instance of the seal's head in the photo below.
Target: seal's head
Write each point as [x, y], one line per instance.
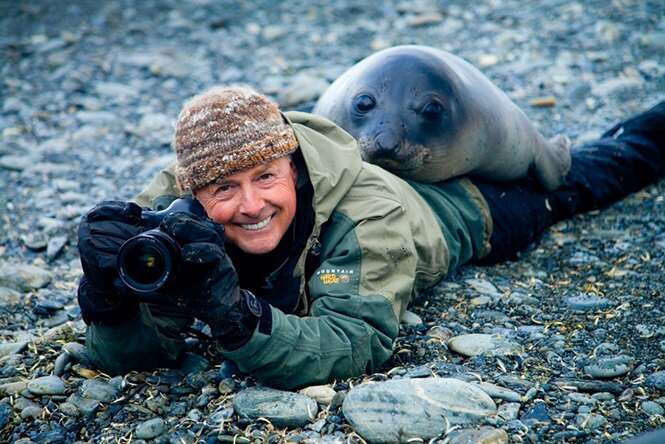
[401, 105]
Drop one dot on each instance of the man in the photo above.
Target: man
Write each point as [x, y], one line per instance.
[320, 253]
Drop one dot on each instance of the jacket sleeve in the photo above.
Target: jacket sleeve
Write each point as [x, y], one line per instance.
[358, 293]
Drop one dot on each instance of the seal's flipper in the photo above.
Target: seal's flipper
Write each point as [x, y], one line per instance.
[552, 162]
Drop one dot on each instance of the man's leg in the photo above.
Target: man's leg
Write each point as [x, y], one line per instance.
[627, 158]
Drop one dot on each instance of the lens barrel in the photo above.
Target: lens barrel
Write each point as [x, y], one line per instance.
[149, 261]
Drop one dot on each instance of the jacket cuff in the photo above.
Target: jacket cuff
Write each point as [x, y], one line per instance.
[251, 314]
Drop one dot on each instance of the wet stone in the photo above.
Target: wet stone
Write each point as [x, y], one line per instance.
[11, 348]
[483, 344]
[150, 429]
[590, 386]
[303, 88]
[55, 246]
[587, 303]
[483, 287]
[591, 421]
[652, 408]
[31, 412]
[398, 410]
[9, 296]
[323, 394]
[496, 392]
[509, 410]
[47, 385]
[656, 380]
[609, 367]
[283, 409]
[69, 409]
[484, 435]
[99, 390]
[23, 277]
[86, 406]
[536, 413]
[5, 414]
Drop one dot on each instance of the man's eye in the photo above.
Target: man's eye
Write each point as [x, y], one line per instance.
[223, 189]
[265, 176]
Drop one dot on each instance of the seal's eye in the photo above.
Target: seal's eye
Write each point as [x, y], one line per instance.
[364, 103]
[432, 111]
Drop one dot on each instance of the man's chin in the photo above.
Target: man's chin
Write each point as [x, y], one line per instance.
[258, 246]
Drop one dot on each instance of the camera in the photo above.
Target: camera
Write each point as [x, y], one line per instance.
[150, 261]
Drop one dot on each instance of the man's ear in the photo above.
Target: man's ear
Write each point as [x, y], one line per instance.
[294, 170]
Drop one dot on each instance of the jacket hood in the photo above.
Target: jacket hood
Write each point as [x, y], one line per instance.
[332, 158]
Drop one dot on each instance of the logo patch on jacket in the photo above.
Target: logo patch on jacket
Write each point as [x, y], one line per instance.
[330, 276]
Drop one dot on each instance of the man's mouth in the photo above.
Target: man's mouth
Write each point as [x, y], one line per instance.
[257, 226]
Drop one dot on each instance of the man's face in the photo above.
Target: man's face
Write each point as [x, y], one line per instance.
[255, 206]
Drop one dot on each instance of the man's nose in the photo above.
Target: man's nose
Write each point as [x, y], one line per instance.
[252, 202]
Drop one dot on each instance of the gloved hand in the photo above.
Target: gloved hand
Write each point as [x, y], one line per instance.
[209, 281]
[101, 233]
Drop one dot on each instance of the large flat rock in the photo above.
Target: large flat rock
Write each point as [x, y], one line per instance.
[399, 410]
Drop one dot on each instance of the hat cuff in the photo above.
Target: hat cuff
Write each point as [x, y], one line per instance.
[198, 174]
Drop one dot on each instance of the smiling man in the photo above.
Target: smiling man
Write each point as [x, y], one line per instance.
[309, 256]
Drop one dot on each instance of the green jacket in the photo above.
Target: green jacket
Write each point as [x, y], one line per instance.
[379, 241]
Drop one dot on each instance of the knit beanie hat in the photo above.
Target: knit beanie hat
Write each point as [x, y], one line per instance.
[226, 130]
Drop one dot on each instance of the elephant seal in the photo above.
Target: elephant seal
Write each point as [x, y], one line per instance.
[428, 115]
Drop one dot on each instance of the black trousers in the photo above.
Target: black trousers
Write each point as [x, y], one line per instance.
[625, 159]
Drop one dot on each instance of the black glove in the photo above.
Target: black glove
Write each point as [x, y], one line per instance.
[210, 282]
[102, 231]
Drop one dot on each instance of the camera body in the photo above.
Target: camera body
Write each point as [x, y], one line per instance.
[150, 261]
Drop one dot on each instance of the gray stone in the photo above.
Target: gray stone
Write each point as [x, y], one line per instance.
[411, 319]
[482, 435]
[652, 408]
[99, 390]
[589, 386]
[586, 302]
[60, 363]
[610, 367]
[591, 421]
[87, 407]
[31, 412]
[23, 277]
[323, 394]
[496, 392]
[69, 409]
[15, 162]
[115, 91]
[9, 296]
[657, 380]
[483, 286]
[13, 388]
[5, 414]
[10, 348]
[509, 410]
[483, 344]
[282, 409]
[303, 88]
[47, 385]
[55, 246]
[156, 126]
[619, 88]
[150, 429]
[398, 410]
[34, 241]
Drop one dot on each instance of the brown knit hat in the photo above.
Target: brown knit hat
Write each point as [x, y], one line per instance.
[226, 130]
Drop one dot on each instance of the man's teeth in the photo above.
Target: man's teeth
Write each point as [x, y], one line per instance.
[258, 225]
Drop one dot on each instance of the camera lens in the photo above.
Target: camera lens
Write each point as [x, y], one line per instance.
[147, 262]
